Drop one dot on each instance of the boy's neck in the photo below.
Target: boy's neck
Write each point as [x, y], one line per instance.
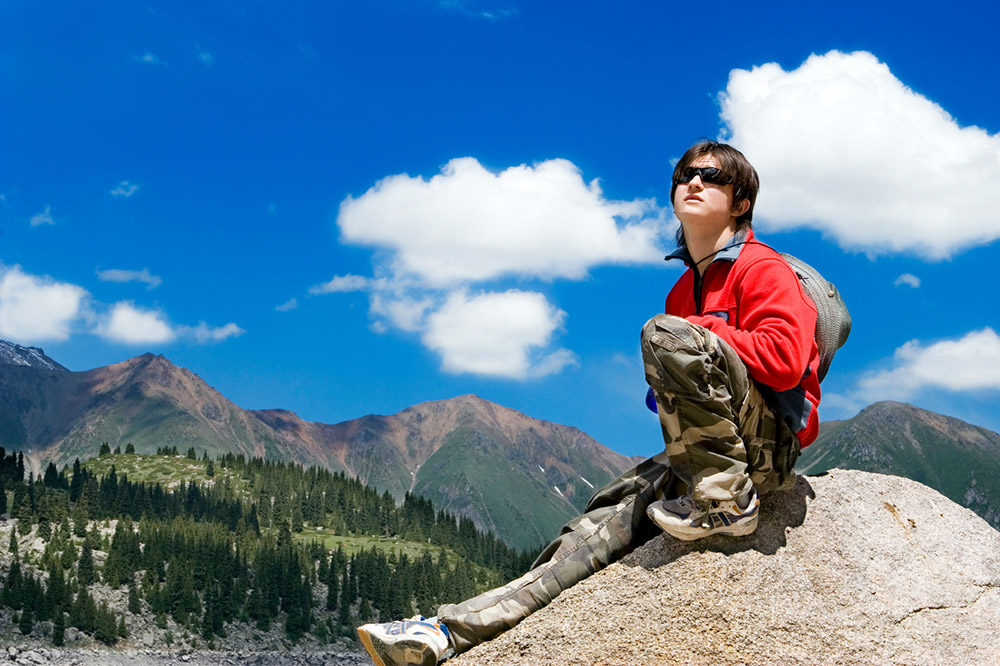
[703, 246]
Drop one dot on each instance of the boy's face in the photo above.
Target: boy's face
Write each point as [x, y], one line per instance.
[701, 203]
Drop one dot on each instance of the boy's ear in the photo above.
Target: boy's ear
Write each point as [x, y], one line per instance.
[741, 207]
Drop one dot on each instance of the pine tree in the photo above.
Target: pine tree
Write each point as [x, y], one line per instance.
[27, 622]
[134, 606]
[12, 592]
[57, 595]
[76, 483]
[59, 629]
[12, 546]
[85, 565]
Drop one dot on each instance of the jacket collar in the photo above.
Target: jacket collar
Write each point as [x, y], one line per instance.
[729, 252]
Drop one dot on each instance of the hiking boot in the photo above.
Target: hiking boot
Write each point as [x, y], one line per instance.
[414, 641]
[685, 519]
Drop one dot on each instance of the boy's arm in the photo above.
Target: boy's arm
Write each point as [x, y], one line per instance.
[777, 322]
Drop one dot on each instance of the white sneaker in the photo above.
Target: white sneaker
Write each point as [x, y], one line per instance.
[684, 519]
[414, 641]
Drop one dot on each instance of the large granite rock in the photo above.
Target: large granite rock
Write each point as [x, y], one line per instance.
[847, 568]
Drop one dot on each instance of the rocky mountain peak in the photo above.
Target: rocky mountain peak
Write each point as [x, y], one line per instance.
[34, 357]
[846, 568]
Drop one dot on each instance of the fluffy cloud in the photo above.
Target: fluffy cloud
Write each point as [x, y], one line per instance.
[288, 305]
[131, 325]
[38, 308]
[468, 224]
[33, 308]
[908, 279]
[845, 147]
[971, 363]
[405, 311]
[496, 333]
[204, 333]
[342, 283]
[437, 238]
[120, 275]
[124, 189]
[45, 217]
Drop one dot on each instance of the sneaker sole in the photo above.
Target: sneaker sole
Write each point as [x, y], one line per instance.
[733, 531]
[366, 640]
[396, 652]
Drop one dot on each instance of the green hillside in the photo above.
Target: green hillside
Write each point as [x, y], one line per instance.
[206, 545]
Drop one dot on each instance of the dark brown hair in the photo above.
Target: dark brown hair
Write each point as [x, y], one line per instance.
[741, 173]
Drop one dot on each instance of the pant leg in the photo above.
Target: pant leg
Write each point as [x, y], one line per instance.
[700, 385]
[613, 524]
[772, 447]
[721, 436]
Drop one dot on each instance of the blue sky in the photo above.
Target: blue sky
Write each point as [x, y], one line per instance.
[346, 208]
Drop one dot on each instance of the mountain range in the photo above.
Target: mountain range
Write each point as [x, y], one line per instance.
[520, 477]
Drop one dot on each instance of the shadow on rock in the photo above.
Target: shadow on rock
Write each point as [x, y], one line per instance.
[780, 511]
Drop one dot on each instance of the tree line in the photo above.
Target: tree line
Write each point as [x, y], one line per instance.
[207, 553]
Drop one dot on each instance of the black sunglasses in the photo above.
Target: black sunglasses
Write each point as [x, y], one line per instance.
[708, 175]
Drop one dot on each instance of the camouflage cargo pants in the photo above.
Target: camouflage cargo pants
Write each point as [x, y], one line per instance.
[720, 437]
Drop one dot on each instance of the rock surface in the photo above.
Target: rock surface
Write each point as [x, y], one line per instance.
[846, 568]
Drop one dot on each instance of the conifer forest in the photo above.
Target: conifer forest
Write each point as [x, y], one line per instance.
[206, 545]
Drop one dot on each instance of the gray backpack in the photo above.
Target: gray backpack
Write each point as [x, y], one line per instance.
[833, 323]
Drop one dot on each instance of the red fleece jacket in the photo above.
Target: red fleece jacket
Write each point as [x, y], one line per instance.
[754, 302]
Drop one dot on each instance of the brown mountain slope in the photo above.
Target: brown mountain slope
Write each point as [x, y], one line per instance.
[147, 401]
[510, 473]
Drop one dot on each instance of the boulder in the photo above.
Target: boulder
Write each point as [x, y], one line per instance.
[846, 568]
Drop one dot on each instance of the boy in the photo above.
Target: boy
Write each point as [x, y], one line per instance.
[731, 367]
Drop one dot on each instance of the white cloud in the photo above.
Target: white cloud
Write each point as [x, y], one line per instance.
[342, 283]
[970, 363]
[468, 224]
[124, 189]
[496, 334]
[131, 325]
[206, 57]
[288, 305]
[148, 58]
[403, 310]
[120, 275]
[845, 147]
[908, 279]
[45, 217]
[34, 308]
[435, 239]
[204, 333]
